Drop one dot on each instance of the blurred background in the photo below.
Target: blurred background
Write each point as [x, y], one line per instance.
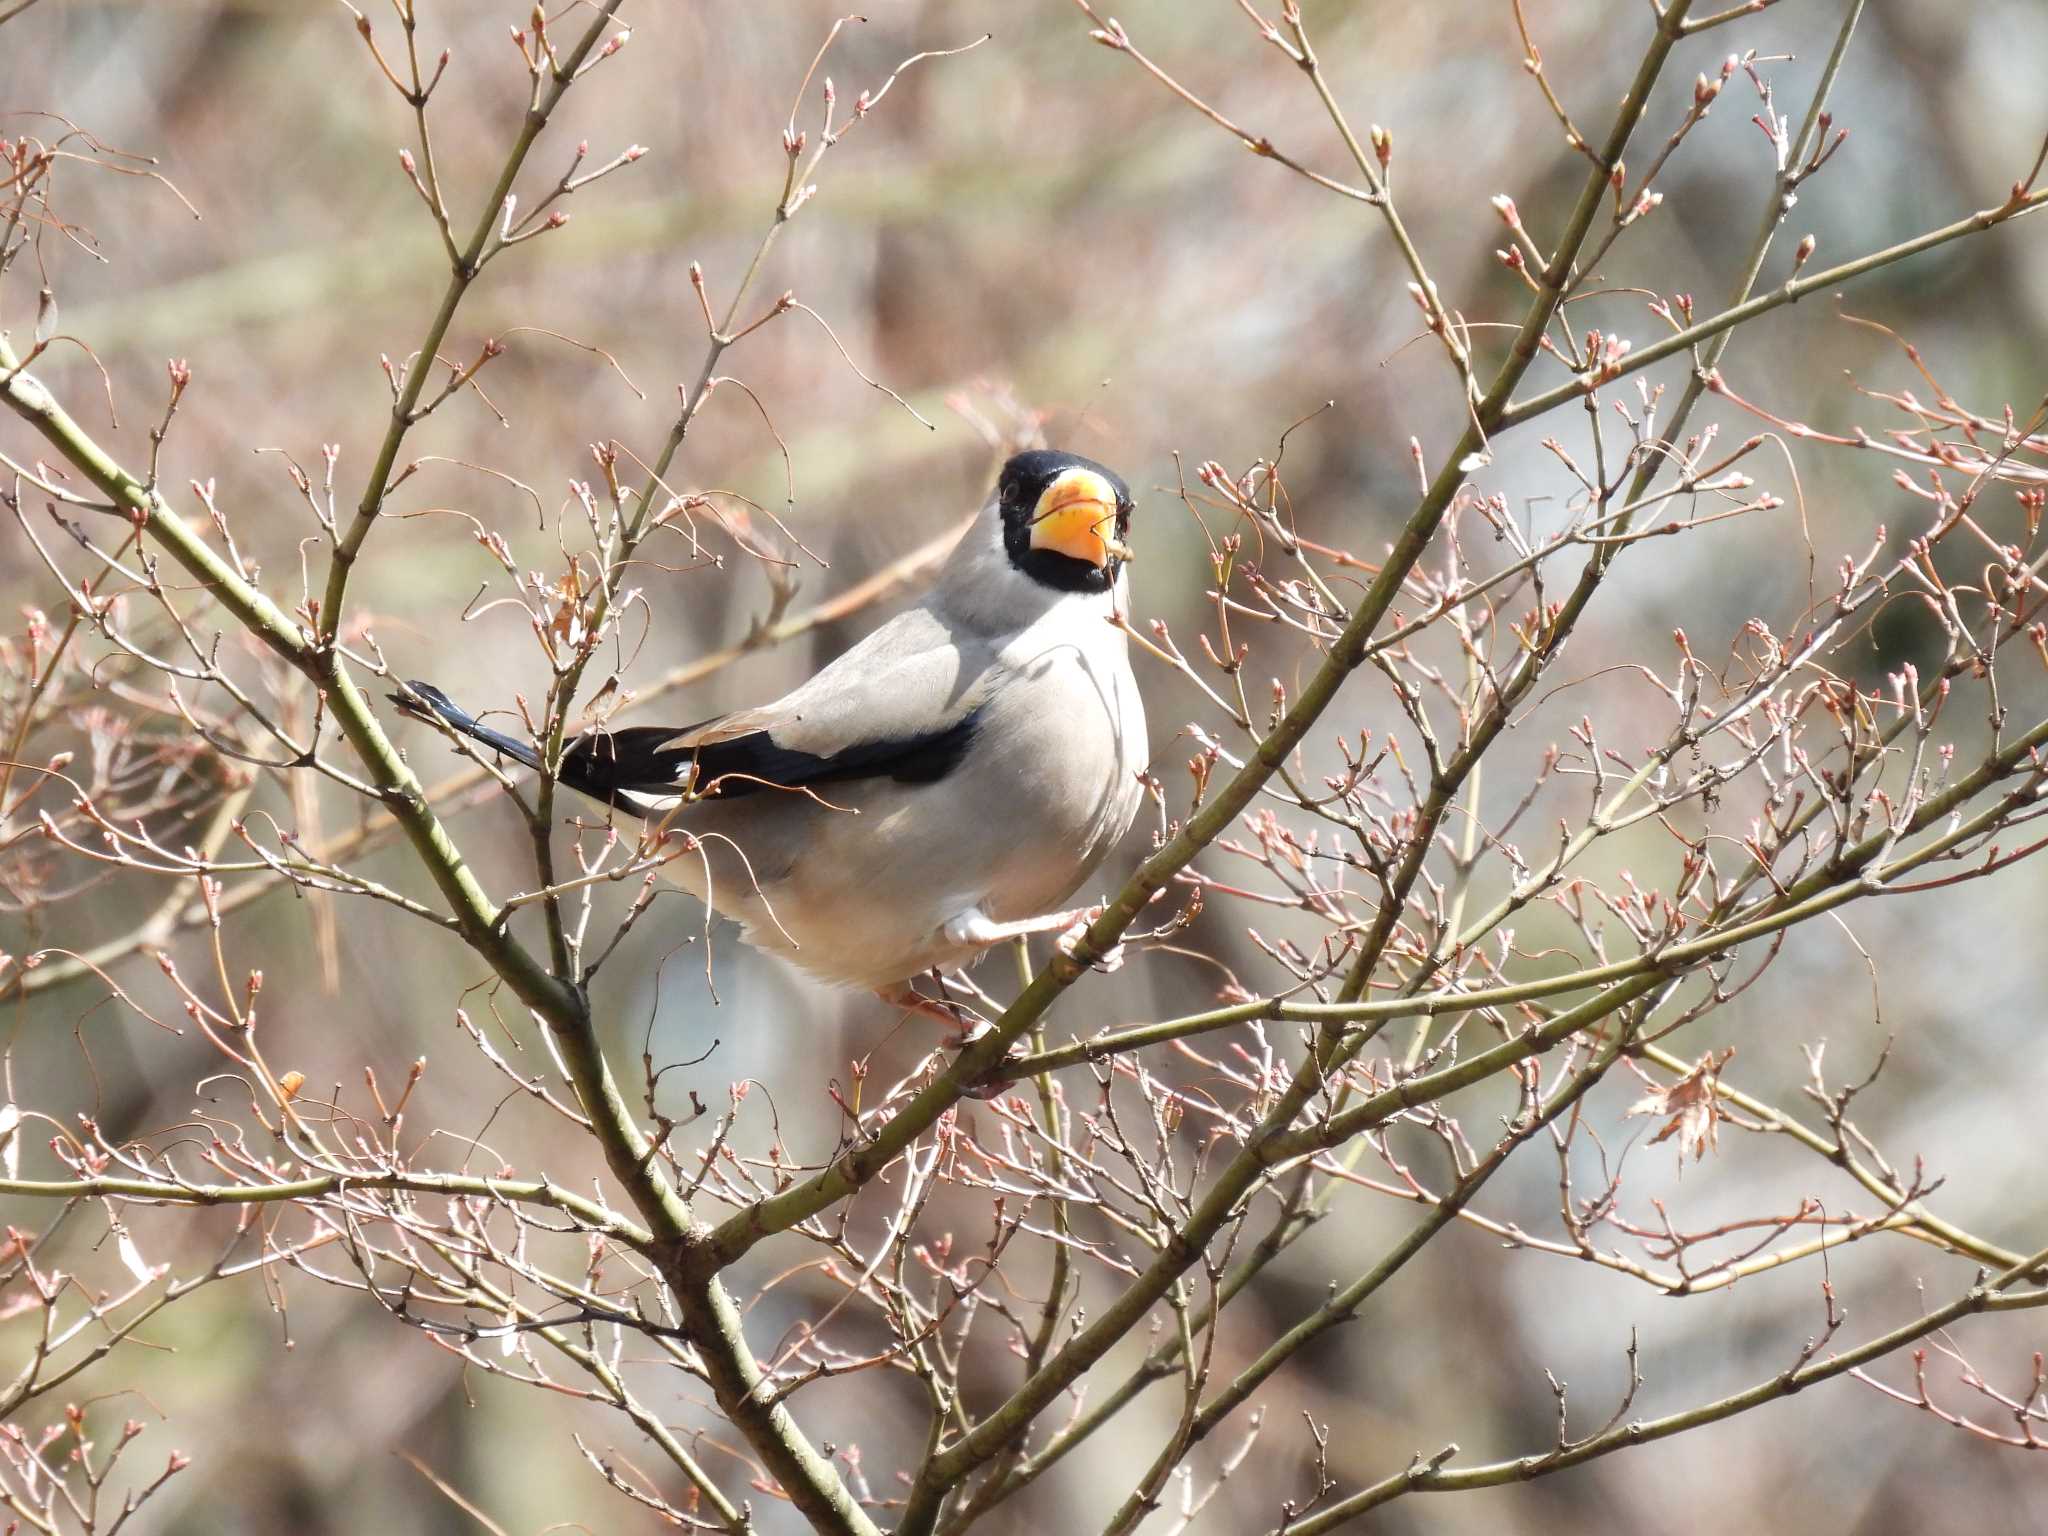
[1033, 232]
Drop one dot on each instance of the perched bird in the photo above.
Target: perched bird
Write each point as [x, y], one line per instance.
[942, 786]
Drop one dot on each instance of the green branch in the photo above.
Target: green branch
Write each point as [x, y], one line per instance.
[854, 1168]
[1434, 1477]
[400, 791]
[1850, 876]
[484, 242]
[1790, 293]
[708, 1311]
[1920, 1222]
[1342, 1304]
[943, 1471]
[524, 1191]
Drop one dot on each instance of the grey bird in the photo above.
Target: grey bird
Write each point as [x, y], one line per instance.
[940, 787]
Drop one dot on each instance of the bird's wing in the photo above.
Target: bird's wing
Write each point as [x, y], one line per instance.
[902, 704]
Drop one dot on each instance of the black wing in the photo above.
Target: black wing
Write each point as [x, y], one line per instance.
[648, 760]
[625, 767]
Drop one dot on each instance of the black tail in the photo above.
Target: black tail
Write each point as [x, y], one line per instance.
[644, 768]
[624, 768]
[426, 702]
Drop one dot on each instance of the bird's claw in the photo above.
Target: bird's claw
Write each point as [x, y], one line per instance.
[1069, 941]
[969, 1026]
[998, 1079]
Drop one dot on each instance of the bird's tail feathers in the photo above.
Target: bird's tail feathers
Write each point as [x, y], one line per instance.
[423, 701]
[622, 768]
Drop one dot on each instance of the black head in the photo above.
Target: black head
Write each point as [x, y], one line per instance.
[1065, 520]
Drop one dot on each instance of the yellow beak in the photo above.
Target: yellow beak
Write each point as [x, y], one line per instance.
[1076, 516]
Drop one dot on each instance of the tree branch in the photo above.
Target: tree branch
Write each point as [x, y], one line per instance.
[1436, 1477]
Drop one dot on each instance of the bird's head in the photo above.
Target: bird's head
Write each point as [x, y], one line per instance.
[1065, 520]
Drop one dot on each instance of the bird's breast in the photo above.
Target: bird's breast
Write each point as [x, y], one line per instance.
[1057, 784]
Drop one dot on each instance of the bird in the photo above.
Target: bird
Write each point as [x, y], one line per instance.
[941, 787]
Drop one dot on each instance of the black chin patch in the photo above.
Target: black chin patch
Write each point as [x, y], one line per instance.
[1048, 566]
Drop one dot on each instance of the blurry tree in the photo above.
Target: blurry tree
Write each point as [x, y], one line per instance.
[1415, 1000]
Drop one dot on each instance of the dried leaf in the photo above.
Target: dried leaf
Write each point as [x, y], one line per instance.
[10, 1140]
[131, 1256]
[1692, 1106]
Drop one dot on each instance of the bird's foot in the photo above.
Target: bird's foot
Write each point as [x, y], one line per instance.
[969, 1027]
[1110, 960]
[998, 1079]
[965, 1026]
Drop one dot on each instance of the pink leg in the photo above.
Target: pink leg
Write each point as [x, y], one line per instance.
[962, 1025]
[973, 927]
[965, 1028]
